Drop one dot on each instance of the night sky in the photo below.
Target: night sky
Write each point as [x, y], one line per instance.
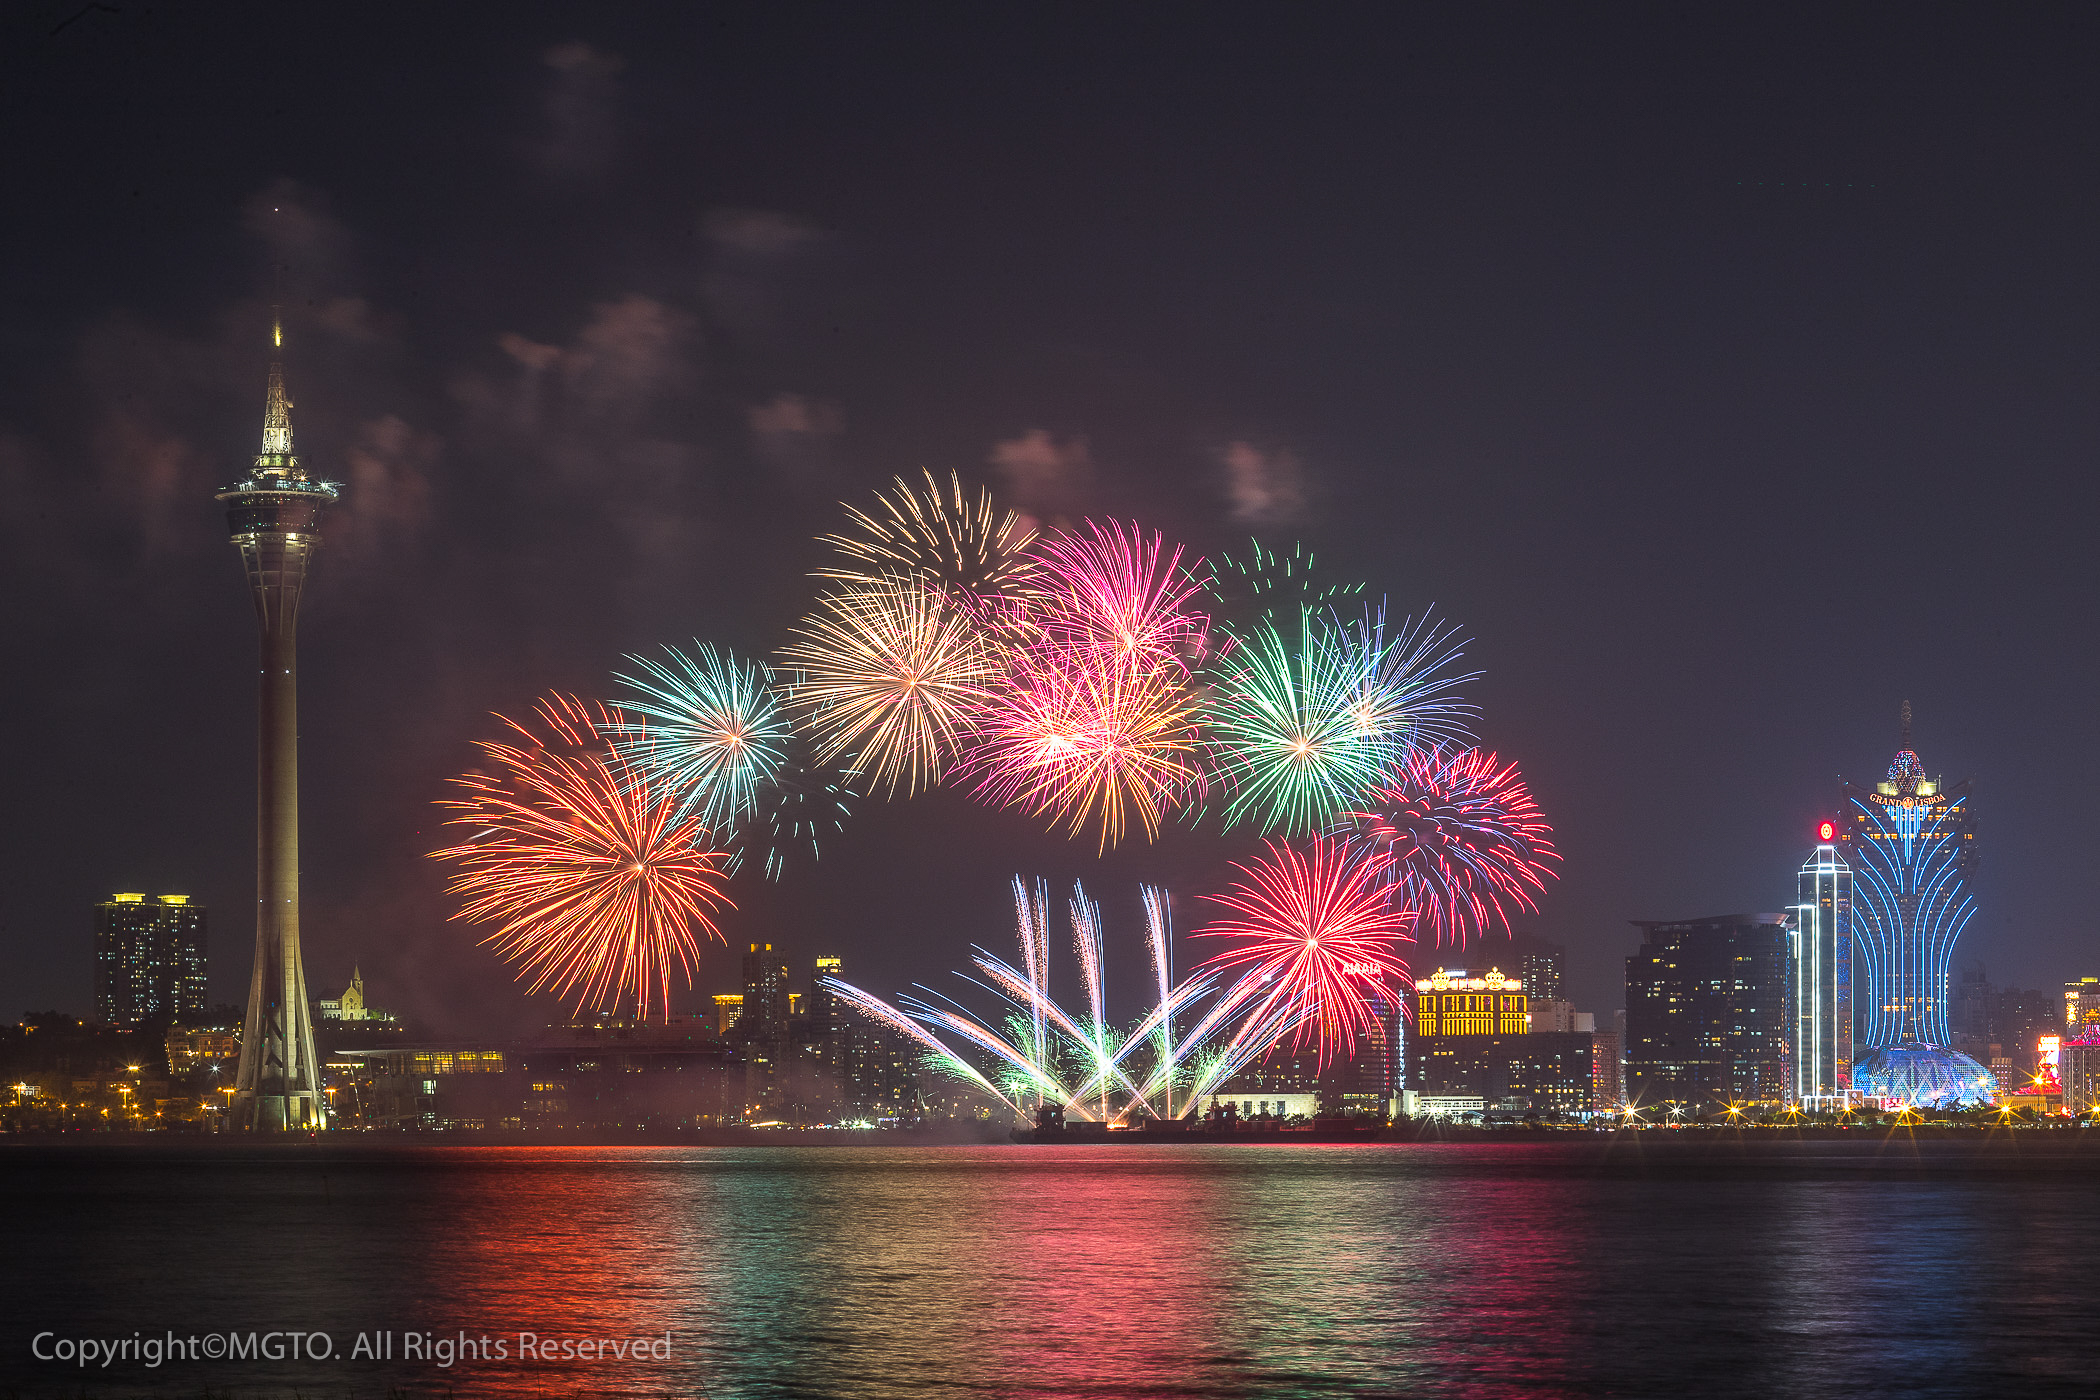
[1731, 380]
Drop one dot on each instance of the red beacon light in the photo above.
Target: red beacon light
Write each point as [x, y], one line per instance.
[1826, 831]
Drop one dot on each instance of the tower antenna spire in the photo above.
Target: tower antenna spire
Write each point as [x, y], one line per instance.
[276, 453]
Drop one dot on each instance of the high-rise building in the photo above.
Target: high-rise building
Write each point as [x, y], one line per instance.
[1911, 844]
[764, 1012]
[1707, 1013]
[149, 959]
[1607, 1073]
[1541, 966]
[2078, 1066]
[2080, 998]
[1910, 841]
[1822, 955]
[1476, 1039]
[274, 515]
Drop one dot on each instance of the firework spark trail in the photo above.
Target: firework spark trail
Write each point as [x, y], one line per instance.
[803, 805]
[1463, 838]
[1090, 1038]
[1086, 946]
[1032, 926]
[888, 674]
[1404, 679]
[1040, 1031]
[1317, 925]
[1159, 940]
[875, 1009]
[594, 880]
[712, 733]
[962, 548]
[1254, 1039]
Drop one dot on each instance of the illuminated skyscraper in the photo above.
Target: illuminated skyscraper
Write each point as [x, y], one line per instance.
[1707, 1014]
[1910, 839]
[2081, 998]
[1821, 926]
[149, 959]
[274, 515]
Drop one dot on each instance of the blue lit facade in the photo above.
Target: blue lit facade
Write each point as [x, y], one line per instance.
[1821, 928]
[1923, 1076]
[1910, 842]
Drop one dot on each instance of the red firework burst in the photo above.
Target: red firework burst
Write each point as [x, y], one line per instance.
[1464, 839]
[1315, 931]
[594, 880]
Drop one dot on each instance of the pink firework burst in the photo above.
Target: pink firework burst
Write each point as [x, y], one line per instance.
[1464, 840]
[1087, 743]
[1113, 594]
[1314, 931]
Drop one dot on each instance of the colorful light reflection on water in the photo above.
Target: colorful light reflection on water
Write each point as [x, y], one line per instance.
[1435, 1270]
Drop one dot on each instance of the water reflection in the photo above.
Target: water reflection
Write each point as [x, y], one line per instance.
[1444, 1270]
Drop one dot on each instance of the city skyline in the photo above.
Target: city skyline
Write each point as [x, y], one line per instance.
[611, 398]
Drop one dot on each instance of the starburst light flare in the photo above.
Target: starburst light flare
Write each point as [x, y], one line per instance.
[711, 732]
[887, 676]
[596, 882]
[1313, 932]
[1463, 837]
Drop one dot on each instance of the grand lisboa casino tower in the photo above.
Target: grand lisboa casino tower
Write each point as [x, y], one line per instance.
[1910, 842]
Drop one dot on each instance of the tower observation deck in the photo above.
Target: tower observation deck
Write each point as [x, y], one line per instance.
[274, 515]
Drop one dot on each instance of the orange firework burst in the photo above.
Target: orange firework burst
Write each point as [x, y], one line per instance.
[594, 879]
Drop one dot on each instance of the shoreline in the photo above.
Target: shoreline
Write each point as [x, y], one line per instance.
[2054, 1140]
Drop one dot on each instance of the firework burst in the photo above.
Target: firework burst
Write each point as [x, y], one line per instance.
[961, 547]
[1301, 732]
[888, 674]
[1313, 933]
[711, 733]
[1115, 597]
[595, 881]
[1087, 745]
[1463, 839]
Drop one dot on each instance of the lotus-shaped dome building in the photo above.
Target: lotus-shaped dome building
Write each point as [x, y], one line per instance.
[1928, 1076]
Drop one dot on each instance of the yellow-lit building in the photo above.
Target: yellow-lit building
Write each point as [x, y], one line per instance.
[728, 1006]
[1458, 1003]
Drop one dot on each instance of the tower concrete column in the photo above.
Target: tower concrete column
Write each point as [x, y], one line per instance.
[275, 516]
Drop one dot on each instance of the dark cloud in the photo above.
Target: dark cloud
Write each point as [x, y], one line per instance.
[797, 435]
[1045, 476]
[581, 109]
[1263, 486]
